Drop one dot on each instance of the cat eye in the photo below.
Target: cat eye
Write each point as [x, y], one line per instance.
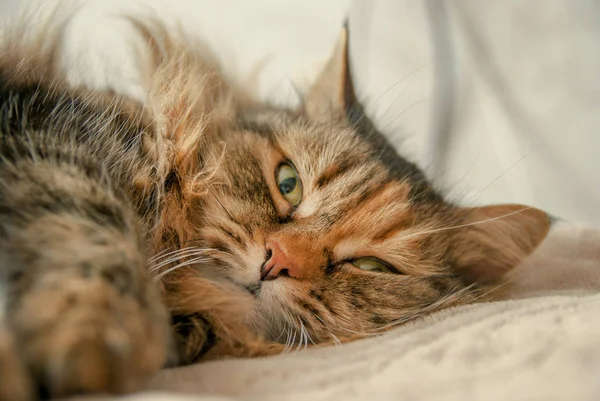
[289, 183]
[373, 265]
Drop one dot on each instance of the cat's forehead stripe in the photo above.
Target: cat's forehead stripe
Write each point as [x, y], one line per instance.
[332, 172]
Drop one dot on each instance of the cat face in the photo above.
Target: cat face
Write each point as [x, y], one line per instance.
[308, 218]
[331, 233]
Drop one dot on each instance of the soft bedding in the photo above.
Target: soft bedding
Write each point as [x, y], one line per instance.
[542, 343]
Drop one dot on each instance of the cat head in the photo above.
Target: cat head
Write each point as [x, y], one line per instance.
[333, 234]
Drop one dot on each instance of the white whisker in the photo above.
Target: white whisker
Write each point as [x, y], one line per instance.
[336, 340]
[166, 253]
[287, 340]
[180, 265]
[280, 335]
[293, 338]
[389, 89]
[303, 335]
[175, 259]
[507, 170]
[301, 340]
[159, 254]
[177, 253]
[402, 113]
[418, 234]
[309, 338]
[184, 254]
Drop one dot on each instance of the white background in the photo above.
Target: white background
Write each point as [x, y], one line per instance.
[497, 101]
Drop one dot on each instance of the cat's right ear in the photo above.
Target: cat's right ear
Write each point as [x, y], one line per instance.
[332, 94]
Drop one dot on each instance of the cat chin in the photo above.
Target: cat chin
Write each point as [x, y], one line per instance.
[273, 299]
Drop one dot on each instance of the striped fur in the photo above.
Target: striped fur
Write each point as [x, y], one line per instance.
[99, 197]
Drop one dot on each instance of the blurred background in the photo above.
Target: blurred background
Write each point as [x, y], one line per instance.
[496, 101]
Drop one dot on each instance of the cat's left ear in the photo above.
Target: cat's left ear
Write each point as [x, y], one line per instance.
[492, 240]
[332, 94]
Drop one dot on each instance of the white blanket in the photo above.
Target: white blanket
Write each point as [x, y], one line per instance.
[543, 343]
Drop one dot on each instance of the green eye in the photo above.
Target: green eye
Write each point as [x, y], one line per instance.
[372, 265]
[289, 183]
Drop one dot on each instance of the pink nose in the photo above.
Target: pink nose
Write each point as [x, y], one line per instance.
[277, 263]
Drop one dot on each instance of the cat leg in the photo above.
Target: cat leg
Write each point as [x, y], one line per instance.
[80, 305]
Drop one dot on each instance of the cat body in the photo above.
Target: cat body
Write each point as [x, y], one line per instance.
[212, 225]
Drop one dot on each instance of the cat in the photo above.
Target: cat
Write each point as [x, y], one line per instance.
[213, 225]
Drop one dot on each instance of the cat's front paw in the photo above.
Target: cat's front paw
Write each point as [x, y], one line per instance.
[86, 336]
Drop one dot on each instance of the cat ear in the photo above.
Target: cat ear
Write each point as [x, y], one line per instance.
[332, 94]
[494, 239]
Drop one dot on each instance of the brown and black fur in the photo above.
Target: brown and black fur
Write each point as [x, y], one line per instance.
[114, 217]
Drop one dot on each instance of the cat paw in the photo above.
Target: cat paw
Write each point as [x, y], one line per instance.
[86, 336]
